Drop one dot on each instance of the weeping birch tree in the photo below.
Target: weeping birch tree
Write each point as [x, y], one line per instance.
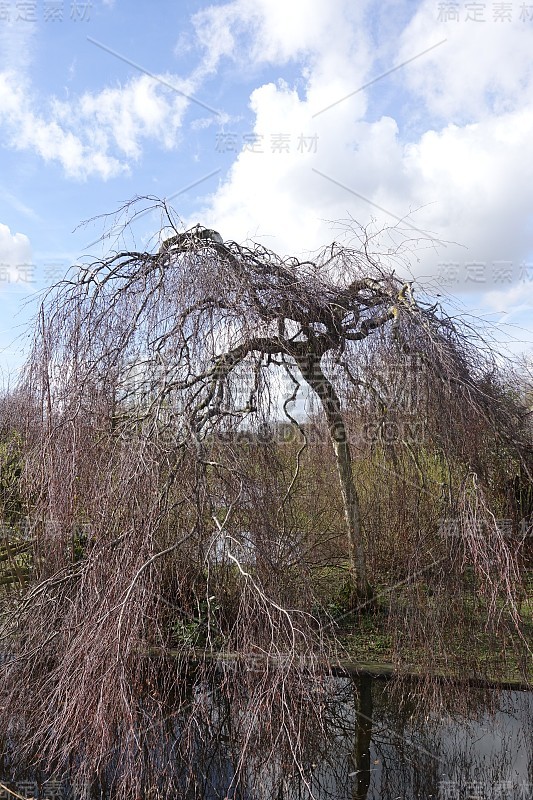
[194, 338]
[150, 369]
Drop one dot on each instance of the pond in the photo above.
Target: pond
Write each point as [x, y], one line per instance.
[386, 740]
[484, 751]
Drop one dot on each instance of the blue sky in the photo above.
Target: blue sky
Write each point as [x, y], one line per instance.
[273, 121]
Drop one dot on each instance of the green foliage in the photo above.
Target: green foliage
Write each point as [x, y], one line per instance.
[80, 542]
[194, 631]
[11, 503]
[333, 591]
[15, 552]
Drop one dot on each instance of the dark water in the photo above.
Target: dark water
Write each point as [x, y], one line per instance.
[484, 752]
[381, 745]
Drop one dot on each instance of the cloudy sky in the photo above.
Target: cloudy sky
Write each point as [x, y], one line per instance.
[284, 121]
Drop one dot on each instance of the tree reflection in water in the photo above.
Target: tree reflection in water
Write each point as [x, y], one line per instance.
[389, 741]
[372, 739]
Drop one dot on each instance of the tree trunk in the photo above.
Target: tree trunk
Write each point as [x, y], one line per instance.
[363, 735]
[312, 372]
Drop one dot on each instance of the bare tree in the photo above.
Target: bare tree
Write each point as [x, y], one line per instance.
[189, 339]
[151, 369]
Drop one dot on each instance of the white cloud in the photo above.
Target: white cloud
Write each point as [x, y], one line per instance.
[143, 109]
[451, 141]
[15, 255]
[512, 309]
[28, 130]
[17, 42]
[258, 32]
[97, 133]
[512, 300]
[483, 68]
[470, 178]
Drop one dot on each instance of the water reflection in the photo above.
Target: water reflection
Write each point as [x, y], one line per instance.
[485, 752]
[380, 740]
